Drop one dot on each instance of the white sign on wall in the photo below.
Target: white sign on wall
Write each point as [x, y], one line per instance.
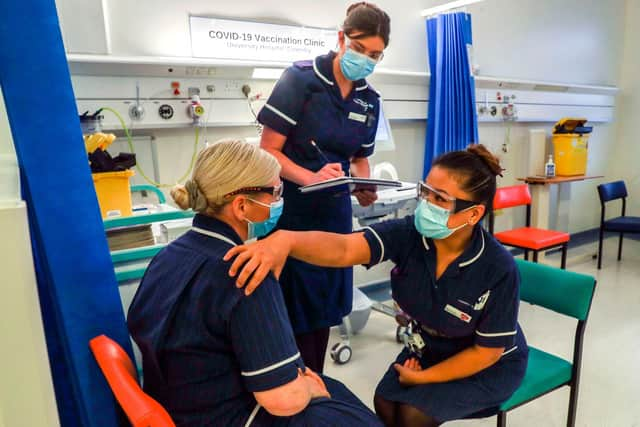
[254, 41]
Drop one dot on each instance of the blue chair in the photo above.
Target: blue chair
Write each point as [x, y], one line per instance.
[567, 293]
[622, 224]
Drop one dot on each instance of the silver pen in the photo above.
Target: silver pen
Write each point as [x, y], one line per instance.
[312, 142]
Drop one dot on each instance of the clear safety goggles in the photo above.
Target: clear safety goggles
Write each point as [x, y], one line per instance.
[450, 203]
[276, 191]
[355, 46]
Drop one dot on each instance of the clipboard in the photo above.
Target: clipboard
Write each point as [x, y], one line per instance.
[355, 184]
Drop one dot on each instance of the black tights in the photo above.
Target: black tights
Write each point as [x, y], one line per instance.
[395, 414]
[313, 347]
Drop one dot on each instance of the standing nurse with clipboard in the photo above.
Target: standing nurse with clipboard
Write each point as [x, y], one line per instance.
[320, 123]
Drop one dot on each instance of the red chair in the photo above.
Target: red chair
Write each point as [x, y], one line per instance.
[120, 373]
[527, 238]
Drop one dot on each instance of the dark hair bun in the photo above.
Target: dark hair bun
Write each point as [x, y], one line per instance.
[488, 158]
[355, 5]
[368, 20]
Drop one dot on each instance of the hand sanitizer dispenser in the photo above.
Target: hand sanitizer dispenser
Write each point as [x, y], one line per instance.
[550, 167]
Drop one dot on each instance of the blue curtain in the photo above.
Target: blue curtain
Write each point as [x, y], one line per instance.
[76, 283]
[452, 122]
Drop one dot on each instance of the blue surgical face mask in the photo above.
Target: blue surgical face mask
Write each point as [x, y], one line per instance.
[431, 221]
[356, 66]
[262, 228]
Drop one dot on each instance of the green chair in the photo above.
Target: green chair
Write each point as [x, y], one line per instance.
[567, 293]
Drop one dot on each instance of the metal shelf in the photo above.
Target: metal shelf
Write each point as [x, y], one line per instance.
[111, 65]
[127, 255]
[166, 213]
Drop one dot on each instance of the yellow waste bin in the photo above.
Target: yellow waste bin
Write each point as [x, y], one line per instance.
[570, 146]
[114, 193]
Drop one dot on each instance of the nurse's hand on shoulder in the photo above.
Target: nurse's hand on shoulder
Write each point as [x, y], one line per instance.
[328, 171]
[408, 373]
[254, 261]
[365, 197]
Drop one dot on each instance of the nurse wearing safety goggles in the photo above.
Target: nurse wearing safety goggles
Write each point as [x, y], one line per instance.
[466, 353]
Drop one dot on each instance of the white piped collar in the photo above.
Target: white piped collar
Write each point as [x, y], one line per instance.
[476, 256]
[468, 261]
[319, 74]
[424, 242]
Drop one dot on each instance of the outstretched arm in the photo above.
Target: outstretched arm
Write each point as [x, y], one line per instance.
[253, 262]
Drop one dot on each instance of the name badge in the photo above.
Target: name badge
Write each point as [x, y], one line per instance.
[357, 117]
[457, 313]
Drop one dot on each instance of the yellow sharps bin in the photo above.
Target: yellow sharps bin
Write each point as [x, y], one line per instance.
[114, 193]
[570, 146]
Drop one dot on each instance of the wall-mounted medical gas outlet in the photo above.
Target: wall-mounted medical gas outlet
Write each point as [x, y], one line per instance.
[165, 111]
[509, 111]
[195, 109]
[136, 112]
[497, 106]
[176, 88]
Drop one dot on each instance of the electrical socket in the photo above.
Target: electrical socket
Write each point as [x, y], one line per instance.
[233, 87]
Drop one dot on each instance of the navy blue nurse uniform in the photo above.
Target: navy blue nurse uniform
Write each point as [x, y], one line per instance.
[475, 301]
[206, 348]
[306, 105]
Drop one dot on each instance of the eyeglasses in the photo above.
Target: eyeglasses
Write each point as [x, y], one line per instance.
[358, 48]
[450, 203]
[276, 191]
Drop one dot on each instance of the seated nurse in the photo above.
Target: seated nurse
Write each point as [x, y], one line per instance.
[211, 355]
[466, 353]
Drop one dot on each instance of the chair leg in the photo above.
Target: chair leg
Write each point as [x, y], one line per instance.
[563, 262]
[502, 419]
[535, 256]
[573, 405]
[526, 255]
[620, 247]
[600, 249]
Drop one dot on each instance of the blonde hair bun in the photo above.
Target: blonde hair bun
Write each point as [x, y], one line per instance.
[221, 168]
[180, 195]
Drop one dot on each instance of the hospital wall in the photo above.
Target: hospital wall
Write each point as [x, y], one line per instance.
[570, 41]
[575, 41]
[6, 142]
[625, 160]
[26, 390]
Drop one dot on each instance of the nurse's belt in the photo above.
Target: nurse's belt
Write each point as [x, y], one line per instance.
[214, 235]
